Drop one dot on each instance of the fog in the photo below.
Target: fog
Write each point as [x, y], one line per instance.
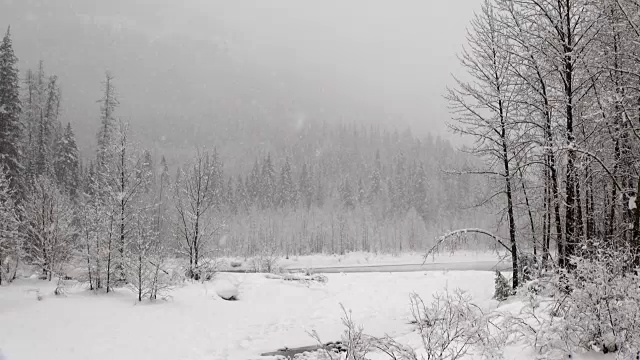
[184, 62]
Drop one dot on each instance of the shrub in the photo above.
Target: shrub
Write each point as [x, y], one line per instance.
[502, 287]
[595, 306]
[450, 328]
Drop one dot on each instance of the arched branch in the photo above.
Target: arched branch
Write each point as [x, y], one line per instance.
[444, 237]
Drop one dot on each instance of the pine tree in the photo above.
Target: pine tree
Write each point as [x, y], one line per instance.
[9, 223]
[66, 162]
[230, 197]
[10, 109]
[305, 187]
[106, 133]
[419, 190]
[346, 194]
[361, 191]
[253, 184]
[242, 202]
[268, 188]
[376, 178]
[46, 129]
[286, 189]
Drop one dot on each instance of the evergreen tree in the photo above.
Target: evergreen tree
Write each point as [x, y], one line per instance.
[10, 109]
[286, 189]
[9, 225]
[361, 191]
[253, 184]
[268, 188]
[106, 133]
[346, 194]
[230, 197]
[242, 201]
[376, 178]
[66, 162]
[305, 187]
[419, 190]
[47, 129]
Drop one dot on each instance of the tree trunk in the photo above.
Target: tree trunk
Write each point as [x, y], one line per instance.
[89, 265]
[139, 277]
[636, 225]
[109, 250]
[533, 229]
[570, 186]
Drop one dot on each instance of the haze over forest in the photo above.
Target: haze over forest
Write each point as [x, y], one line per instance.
[185, 69]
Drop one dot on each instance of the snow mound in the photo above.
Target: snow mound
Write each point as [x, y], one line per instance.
[226, 289]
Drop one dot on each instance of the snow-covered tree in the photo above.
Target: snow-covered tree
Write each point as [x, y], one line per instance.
[66, 162]
[10, 109]
[51, 230]
[196, 194]
[10, 236]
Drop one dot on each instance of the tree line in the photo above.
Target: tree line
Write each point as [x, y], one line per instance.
[123, 214]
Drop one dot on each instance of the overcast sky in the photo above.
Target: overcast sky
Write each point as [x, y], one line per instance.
[396, 53]
[396, 56]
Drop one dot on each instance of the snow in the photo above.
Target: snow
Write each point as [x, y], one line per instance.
[195, 323]
[364, 258]
[227, 288]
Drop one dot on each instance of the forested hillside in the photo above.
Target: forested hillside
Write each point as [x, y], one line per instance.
[291, 186]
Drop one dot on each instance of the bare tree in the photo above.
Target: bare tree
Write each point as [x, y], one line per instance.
[485, 109]
[51, 231]
[197, 194]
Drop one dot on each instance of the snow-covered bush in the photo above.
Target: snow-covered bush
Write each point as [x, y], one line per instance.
[51, 229]
[601, 308]
[206, 270]
[267, 261]
[357, 343]
[595, 306]
[502, 287]
[450, 327]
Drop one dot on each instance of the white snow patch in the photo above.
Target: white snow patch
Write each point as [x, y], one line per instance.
[227, 289]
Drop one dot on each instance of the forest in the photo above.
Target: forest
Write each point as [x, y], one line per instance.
[549, 107]
[310, 187]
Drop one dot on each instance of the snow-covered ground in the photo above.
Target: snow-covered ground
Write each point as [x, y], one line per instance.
[196, 324]
[365, 259]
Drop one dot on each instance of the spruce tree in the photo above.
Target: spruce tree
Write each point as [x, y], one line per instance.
[106, 133]
[10, 109]
[46, 130]
[376, 178]
[286, 189]
[305, 187]
[267, 190]
[9, 223]
[66, 162]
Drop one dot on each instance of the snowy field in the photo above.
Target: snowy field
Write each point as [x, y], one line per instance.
[197, 324]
